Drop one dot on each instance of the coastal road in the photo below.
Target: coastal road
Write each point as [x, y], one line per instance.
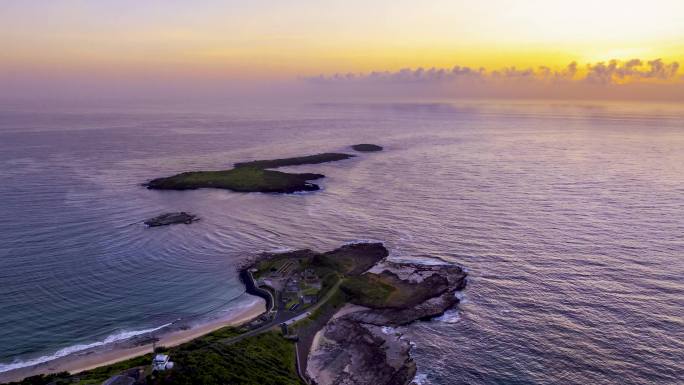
[284, 316]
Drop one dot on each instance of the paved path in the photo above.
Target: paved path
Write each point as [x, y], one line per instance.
[283, 316]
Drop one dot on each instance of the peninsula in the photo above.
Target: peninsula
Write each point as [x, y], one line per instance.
[329, 320]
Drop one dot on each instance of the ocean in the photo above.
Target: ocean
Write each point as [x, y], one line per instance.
[569, 217]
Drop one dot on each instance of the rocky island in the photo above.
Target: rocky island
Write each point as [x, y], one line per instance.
[171, 218]
[329, 321]
[255, 176]
[366, 147]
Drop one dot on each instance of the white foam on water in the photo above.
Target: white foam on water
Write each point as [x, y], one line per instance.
[361, 241]
[119, 336]
[281, 250]
[421, 379]
[449, 316]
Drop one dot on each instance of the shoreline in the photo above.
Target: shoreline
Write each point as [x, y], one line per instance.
[111, 353]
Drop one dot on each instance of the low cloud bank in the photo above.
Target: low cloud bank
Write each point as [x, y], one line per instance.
[612, 72]
[632, 79]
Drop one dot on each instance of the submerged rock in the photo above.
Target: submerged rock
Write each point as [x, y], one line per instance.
[367, 147]
[171, 218]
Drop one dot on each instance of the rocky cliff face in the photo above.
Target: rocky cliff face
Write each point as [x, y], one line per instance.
[360, 346]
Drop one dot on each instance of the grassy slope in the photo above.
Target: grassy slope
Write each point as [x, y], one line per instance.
[243, 179]
[297, 161]
[386, 290]
[267, 359]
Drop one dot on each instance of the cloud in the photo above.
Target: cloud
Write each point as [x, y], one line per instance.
[406, 75]
[634, 78]
[632, 70]
[612, 72]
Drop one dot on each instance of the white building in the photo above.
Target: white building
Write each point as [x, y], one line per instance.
[161, 362]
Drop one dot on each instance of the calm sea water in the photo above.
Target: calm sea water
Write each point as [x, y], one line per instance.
[569, 217]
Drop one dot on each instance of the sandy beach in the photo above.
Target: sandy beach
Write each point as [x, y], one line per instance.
[120, 351]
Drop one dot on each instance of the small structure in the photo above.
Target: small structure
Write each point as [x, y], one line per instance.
[311, 279]
[161, 362]
[310, 298]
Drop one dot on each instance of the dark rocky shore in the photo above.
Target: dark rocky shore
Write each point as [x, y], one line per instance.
[359, 345]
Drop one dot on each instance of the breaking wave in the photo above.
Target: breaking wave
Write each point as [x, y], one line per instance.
[120, 336]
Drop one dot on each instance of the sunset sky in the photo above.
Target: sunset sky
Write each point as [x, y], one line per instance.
[128, 40]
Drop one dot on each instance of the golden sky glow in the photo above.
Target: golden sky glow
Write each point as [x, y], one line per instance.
[276, 39]
[84, 49]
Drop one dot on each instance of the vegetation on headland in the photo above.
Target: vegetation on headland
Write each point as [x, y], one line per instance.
[254, 176]
[265, 359]
[386, 290]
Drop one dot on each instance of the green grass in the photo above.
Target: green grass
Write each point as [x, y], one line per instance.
[366, 291]
[310, 291]
[291, 303]
[386, 290]
[243, 179]
[336, 301]
[351, 259]
[208, 339]
[296, 161]
[251, 176]
[266, 359]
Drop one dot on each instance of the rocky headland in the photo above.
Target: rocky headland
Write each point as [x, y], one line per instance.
[346, 334]
[351, 336]
[359, 344]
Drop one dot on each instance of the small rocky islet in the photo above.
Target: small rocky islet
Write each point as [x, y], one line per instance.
[171, 219]
[367, 147]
